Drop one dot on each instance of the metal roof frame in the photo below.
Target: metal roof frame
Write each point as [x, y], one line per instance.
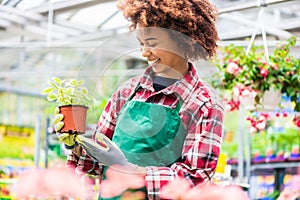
[29, 35]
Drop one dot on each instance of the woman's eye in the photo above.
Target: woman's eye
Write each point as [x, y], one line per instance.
[148, 44]
[152, 45]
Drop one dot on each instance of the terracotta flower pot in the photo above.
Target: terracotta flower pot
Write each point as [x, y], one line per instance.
[74, 119]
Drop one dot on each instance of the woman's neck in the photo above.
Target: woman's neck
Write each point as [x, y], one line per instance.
[176, 72]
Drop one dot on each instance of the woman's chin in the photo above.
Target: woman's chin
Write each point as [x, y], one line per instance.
[160, 68]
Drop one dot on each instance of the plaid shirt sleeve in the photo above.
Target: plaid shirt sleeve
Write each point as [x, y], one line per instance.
[201, 148]
[83, 164]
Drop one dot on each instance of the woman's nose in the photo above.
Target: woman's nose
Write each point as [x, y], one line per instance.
[145, 51]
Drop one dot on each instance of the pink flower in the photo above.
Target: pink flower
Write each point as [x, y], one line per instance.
[172, 191]
[287, 59]
[246, 93]
[264, 116]
[234, 192]
[202, 191]
[236, 91]
[109, 188]
[64, 182]
[133, 195]
[30, 183]
[233, 68]
[228, 107]
[112, 186]
[232, 104]
[296, 120]
[253, 130]
[291, 193]
[264, 72]
[50, 182]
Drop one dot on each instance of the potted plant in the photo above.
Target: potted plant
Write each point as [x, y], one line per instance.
[73, 102]
[253, 74]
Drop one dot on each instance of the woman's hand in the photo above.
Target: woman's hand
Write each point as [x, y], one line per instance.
[66, 138]
[103, 150]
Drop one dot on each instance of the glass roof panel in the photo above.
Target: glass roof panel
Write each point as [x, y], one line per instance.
[99, 14]
[27, 4]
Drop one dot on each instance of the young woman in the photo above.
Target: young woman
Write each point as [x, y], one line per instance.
[166, 123]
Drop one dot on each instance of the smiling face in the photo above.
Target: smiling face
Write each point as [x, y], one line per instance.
[162, 52]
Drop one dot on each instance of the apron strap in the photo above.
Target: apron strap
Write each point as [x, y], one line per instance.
[178, 103]
[134, 92]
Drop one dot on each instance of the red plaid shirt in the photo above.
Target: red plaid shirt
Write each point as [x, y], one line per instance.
[201, 113]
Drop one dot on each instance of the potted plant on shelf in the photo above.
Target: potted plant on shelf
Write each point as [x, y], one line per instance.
[251, 74]
[73, 102]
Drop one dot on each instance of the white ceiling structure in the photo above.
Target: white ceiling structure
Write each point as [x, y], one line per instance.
[53, 36]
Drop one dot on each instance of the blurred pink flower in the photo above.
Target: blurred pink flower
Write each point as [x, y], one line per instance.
[252, 130]
[233, 68]
[176, 189]
[112, 186]
[49, 182]
[202, 191]
[138, 195]
[245, 91]
[232, 104]
[109, 188]
[291, 193]
[30, 183]
[261, 125]
[264, 72]
[234, 192]
[63, 181]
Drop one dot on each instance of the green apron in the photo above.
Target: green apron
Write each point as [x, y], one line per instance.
[149, 134]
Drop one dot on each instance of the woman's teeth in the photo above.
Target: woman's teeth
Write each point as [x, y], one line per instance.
[151, 62]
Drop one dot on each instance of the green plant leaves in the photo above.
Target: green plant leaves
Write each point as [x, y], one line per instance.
[47, 90]
[51, 97]
[80, 82]
[57, 80]
[67, 92]
[52, 84]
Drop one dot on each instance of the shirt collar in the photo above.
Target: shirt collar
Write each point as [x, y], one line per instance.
[182, 88]
[185, 87]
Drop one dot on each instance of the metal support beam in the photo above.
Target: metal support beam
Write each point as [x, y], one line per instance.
[248, 5]
[22, 92]
[38, 24]
[268, 28]
[64, 6]
[93, 44]
[12, 18]
[28, 15]
[4, 23]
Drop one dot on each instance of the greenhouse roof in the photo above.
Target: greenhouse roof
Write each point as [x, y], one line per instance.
[53, 36]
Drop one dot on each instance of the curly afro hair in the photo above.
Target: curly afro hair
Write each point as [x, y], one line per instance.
[193, 18]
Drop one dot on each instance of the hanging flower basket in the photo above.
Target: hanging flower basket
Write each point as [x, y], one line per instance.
[240, 71]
